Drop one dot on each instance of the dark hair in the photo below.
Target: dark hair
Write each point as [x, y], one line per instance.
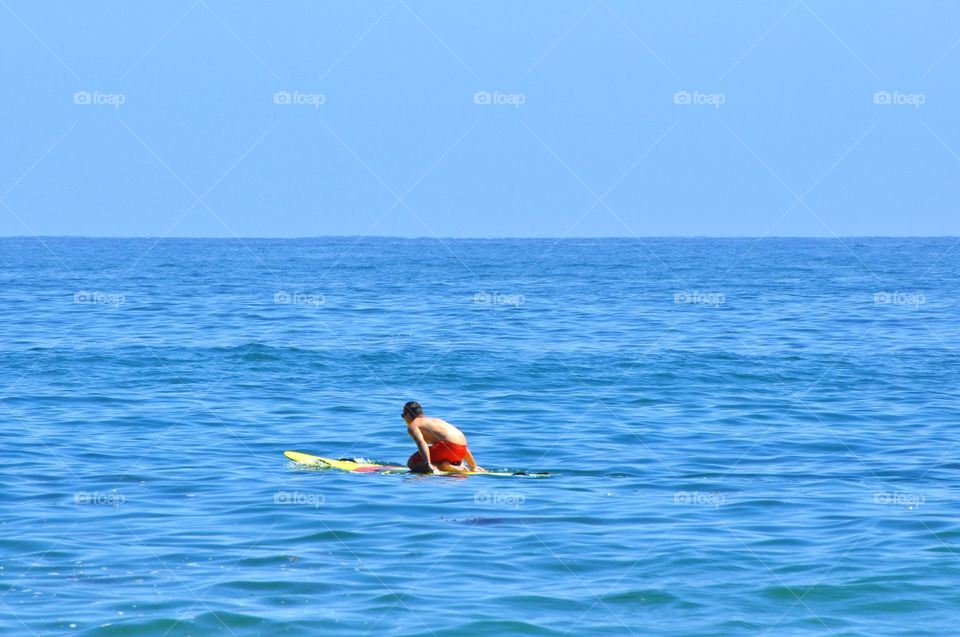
[412, 410]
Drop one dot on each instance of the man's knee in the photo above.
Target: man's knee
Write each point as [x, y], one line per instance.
[416, 464]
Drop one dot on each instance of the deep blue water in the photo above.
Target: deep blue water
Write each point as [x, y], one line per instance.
[777, 456]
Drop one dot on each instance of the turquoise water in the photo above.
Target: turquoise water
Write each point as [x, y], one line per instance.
[744, 437]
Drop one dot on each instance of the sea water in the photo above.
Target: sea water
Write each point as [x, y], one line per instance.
[743, 436]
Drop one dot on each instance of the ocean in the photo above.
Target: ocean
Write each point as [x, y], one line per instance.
[744, 437]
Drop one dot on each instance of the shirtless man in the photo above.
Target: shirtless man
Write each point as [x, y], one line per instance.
[448, 445]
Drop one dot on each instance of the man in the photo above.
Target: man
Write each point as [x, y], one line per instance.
[447, 445]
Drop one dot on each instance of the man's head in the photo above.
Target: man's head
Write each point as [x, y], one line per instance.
[411, 411]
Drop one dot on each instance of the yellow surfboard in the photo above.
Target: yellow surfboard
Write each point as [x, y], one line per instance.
[358, 467]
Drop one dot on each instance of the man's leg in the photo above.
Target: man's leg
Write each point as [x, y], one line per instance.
[416, 464]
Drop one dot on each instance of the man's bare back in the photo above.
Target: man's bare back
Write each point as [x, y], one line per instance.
[434, 430]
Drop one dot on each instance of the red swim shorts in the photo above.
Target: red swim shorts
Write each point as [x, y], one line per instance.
[442, 451]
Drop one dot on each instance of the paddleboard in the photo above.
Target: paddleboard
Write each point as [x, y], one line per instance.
[370, 467]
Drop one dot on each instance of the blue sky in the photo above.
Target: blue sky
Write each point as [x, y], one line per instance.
[479, 119]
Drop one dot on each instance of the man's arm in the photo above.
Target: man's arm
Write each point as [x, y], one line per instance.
[473, 463]
[422, 446]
